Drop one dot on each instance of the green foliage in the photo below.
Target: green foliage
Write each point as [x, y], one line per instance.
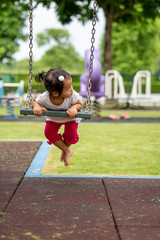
[12, 21]
[132, 10]
[67, 9]
[13, 15]
[61, 53]
[135, 46]
[82, 10]
[60, 36]
[66, 59]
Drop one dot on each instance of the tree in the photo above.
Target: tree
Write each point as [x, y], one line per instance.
[133, 47]
[60, 53]
[12, 21]
[126, 10]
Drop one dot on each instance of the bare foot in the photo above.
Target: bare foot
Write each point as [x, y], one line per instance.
[67, 156]
[62, 157]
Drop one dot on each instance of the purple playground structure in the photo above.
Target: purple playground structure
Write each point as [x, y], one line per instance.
[98, 80]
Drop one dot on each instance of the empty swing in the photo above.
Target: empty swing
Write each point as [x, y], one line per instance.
[28, 110]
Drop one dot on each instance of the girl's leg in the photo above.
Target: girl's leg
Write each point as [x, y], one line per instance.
[66, 151]
[70, 135]
[62, 153]
[51, 133]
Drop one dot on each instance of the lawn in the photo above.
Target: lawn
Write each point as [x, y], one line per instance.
[22, 131]
[131, 113]
[106, 112]
[111, 149]
[103, 149]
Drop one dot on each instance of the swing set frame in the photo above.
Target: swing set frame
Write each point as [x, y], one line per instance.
[28, 110]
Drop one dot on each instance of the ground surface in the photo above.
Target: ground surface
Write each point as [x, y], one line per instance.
[94, 119]
[73, 208]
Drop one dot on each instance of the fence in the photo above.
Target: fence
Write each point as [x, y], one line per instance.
[127, 78]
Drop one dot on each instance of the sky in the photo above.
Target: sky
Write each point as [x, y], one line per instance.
[80, 34]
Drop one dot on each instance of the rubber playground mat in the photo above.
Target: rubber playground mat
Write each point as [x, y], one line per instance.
[73, 208]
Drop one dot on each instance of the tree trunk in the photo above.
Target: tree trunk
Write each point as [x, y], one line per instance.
[108, 38]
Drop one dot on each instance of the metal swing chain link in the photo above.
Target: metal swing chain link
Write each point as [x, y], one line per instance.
[29, 93]
[88, 102]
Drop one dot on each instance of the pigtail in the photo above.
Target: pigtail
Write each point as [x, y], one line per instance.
[39, 78]
[52, 80]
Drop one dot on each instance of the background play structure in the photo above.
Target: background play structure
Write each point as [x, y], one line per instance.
[108, 86]
[111, 86]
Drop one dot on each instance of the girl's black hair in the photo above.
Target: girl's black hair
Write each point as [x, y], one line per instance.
[51, 81]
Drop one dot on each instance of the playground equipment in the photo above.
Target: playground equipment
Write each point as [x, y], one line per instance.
[137, 96]
[10, 107]
[20, 90]
[98, 80]
[139, 78]
[83, 114]
[114, 87]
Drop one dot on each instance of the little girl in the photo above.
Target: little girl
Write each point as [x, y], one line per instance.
[59, 96]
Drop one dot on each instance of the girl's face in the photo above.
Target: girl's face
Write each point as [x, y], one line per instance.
[67, 88]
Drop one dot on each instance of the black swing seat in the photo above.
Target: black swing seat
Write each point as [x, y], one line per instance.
[49, 112]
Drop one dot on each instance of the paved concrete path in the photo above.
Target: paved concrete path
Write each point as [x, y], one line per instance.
[73, 208]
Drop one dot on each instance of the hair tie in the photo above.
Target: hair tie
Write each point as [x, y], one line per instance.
[61, 78]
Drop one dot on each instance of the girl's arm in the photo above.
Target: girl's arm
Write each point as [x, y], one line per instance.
[37, 109]
[72, 112]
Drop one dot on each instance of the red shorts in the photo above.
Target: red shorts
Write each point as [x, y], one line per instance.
[70, 135]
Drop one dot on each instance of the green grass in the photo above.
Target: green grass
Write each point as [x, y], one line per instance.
[103, 149]
[21, 131]
[105, 112]
[3, 111]
[131, 113]
[111, 149]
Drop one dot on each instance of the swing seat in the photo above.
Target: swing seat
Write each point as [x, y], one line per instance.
[49, 112]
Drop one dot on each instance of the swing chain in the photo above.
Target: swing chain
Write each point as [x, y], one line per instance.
[29, 93]
[88, 103]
